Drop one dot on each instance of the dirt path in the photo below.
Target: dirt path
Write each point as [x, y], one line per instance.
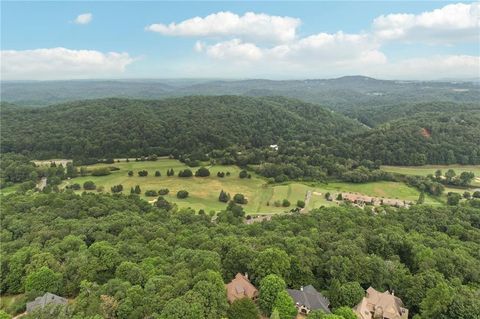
[308, 196]
[42, 184]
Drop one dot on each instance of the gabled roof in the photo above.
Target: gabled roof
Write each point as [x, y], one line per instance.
[240, 287]
[309, 297]
[389, 305]
[44, 300]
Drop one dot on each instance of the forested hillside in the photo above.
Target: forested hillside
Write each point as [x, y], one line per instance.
[375, 116]
[123, 127]
[121, 257]
[195, 126]
[433, 138]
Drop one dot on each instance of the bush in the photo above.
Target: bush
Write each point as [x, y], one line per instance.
[75, 186]
[101, 171]
[240, 199]
[89, 185]
[117, 188]
[142, 173]
[243, 174]
[223, 197]
[277, 203]
[158, 174]
[476, 194]
[130, 173]
[185, 173]
[163, 203]
[301, 203]
[163, 191]
[221, 174]
[182, 194]
[285, 203]
[453, 198]
[202, 172]
[151, 192]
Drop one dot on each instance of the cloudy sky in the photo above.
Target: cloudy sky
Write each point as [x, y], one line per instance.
[276, 40]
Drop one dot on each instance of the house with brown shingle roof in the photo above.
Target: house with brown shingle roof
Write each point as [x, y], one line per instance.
[240, 287]
[383, 305]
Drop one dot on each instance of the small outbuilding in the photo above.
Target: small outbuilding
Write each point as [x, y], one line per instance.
[46, 299]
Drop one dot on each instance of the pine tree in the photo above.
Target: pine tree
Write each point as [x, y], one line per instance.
[138, 191]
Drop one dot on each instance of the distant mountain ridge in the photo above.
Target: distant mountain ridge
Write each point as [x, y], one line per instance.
[342, 94]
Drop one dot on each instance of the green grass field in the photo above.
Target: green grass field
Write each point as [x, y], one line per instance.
[430, 169]
[204, 191]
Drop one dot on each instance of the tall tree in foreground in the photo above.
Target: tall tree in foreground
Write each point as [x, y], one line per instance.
[270, 287]
[243, 308]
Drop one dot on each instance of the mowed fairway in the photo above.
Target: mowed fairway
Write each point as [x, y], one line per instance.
[204, 191]
[430, 169]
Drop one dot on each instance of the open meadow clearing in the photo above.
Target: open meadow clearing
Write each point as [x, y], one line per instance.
[204, 191]
[430, 169]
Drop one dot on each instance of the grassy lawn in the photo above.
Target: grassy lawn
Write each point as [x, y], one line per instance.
[430, 169]
[9, 190]
[204, 191]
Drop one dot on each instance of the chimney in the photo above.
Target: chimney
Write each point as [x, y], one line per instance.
[246, 275]
[393, 292]
[301, 288]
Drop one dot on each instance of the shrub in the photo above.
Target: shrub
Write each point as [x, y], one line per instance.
[182, 194]
[101, 171]
[75, 186]
[243, 174]
[163, 191]
[301, 203]
[130, 173]
[223, 197]
[89, 185]
[202, 172]
[143, 173]
[277, 203]
[151, 192]
[163, 203]
[221, 174]
[285, 203]
[240, 199]
[158, 174]
[185, 173]
[117, 188]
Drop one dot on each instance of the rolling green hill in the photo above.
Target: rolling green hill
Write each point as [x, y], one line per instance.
[196, 124]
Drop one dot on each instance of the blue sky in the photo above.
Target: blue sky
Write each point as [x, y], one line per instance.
[415, 40]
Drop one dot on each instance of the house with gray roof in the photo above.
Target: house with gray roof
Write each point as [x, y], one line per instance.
[46, 299]
[307, 299]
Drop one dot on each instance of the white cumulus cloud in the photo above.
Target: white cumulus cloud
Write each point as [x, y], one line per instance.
[253, 26]
[322, 48]
[61, 63]
[84, 18]
[451, 23]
